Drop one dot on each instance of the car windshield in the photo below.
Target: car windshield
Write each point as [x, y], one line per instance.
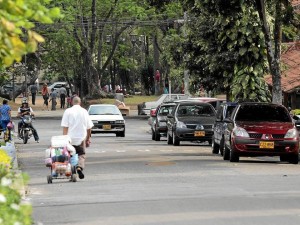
[104, 110]
[165, 110]
[195, 110]
[267, 113]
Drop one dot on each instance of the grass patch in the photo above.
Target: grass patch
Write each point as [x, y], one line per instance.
[133, 100]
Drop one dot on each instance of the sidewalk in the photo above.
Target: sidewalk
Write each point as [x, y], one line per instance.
[58, 113]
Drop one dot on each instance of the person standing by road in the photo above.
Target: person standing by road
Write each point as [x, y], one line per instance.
[5, 114]
[45, 94]
[62, 94]
[33, 90]
[53, 96]
[77, 124]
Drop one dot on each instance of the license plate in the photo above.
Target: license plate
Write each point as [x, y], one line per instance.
[199, 133]
[266, 144]
[106, 127]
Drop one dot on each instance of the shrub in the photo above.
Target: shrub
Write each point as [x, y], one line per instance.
[13, 210]
[296, 112]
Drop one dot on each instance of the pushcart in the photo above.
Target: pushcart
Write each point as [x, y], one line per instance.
[61, 159]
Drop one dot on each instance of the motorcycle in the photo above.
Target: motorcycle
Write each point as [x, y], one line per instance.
[26, 131]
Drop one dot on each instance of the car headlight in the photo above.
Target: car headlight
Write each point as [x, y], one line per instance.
[119, 121]
[291, 133]
[240, 132]
[181, 124]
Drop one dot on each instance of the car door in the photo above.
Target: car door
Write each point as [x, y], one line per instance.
[171, 120]
[219, 124]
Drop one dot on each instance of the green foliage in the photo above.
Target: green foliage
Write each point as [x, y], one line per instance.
[296, 112]
[226, 46]
[16, 27]
[13, 210]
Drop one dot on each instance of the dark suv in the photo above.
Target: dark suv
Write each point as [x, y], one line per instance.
[159, 120]
[191, 121]
[224, 111]
[261, 129]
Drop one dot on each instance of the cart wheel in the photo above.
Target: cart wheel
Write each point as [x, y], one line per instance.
[74, 178]
[49, 179]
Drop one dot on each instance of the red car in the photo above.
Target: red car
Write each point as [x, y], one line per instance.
[261, 129]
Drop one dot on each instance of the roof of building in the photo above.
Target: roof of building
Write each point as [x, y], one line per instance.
[290, 77]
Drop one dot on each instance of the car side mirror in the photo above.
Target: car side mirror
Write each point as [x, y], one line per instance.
[228, 120]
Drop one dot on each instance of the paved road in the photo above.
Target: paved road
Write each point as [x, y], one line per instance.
[136, 181]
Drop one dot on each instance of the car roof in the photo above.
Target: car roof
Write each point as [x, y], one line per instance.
[193, 103]
[260, 103]
[230, 103]
[103, 105]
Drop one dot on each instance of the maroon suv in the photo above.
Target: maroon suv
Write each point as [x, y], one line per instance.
[261, 129]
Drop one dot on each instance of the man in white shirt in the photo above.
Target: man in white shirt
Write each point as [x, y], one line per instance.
[77, 124]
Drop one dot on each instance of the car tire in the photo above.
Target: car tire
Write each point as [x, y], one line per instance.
[157, 136]
[122, 133]
[294, 159]
[284, 158]
[222, 146]
[153, 135]
[234, 157]
[169, 139]
[215, 147]
[226, 153]
[176, 141]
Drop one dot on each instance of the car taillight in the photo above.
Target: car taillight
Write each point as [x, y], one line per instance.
[153, 112]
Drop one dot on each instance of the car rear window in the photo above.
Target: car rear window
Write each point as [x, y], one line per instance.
[101, 110]
[195, 110]
[165, 110]
[268, 113]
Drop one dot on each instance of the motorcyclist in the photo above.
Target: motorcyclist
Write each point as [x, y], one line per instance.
[25, 109]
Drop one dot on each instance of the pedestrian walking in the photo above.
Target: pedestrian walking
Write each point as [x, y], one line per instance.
[62, 94]
[53, 97]
[77, 125]
[5, 115]
[45, 94]
[33, 91]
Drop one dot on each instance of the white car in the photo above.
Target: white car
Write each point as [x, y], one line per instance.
[107, 118]
[147, 106]
[57, 86]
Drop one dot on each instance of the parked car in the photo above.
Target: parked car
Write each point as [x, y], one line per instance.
[7, 90]
[261, 129]
[224, 111]
[215, 102]
[191, 121]
[107, 118]
[57, 86]
[145, 107]
[159, 120]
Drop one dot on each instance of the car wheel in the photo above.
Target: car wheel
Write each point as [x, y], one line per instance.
[294, 159]
[215, 147]
[234, 157]
[176, 141]
[122, 133]
[169, 139]
[222, 146]
[157, 136]
[153, 135]
[226, 153]
[284, 158]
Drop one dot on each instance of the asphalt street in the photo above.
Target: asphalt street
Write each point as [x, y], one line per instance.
[137, 181]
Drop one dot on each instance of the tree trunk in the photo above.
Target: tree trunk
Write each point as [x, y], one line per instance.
[273, 55]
